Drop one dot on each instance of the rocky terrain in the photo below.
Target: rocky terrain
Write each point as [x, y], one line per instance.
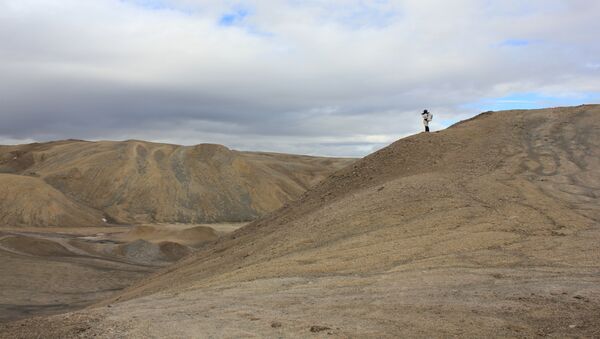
[489, 228]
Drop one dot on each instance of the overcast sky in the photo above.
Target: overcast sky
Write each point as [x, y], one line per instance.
[336, 77]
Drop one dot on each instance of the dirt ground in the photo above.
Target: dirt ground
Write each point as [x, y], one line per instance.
[487, 229]
[431, 303]
[54, 270]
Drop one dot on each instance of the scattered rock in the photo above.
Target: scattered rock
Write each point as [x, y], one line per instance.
[317, 328]
[82, 329]
[276, 324]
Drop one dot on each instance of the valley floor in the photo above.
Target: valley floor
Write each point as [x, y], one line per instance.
[55, 270]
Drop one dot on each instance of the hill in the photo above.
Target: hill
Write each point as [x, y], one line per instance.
[143, 182]
[488, 228]
[30, 201]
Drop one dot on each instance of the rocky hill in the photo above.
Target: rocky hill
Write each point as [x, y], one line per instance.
[80, 183]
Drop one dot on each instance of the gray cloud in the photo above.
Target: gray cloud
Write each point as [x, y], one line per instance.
[332, 78]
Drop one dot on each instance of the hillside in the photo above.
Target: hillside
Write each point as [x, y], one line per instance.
[488, 228]
[143, 182]
[30, 201]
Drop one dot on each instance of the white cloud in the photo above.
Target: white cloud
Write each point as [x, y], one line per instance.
[335, 77]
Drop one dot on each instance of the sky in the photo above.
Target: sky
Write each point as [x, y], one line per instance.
[332, 78]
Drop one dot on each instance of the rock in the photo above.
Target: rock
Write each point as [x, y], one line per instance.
[276, 324]
[317, 328]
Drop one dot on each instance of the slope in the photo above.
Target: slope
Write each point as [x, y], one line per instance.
[487, 228]
[31, 201]
[142, 182]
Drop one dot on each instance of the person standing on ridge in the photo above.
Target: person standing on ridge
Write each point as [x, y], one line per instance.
[427, 117]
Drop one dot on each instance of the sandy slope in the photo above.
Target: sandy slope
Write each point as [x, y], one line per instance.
[489, 228]
[142, 182]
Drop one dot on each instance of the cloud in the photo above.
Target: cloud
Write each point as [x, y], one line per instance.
[340, 77]
[515, 42]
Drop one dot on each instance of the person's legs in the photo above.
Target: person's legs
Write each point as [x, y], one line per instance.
[426, 128]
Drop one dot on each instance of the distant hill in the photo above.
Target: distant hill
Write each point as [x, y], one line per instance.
[80, 183]
[30, 201]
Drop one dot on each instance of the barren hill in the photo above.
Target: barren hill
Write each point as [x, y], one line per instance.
[142, 182]
[30, 201]
[488, 228]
